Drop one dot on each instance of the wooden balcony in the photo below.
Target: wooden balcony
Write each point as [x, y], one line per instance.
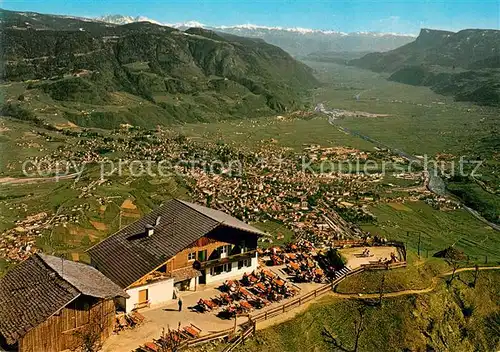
[228, 259]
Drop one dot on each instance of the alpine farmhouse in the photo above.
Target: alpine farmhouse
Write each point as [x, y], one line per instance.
[49, 304]
[178, 246]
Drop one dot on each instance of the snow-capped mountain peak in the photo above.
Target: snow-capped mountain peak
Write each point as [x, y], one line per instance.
[295, 40]
[189, 24]
[121, 19]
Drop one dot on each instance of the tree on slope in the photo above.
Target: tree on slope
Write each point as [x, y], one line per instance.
[359, 327]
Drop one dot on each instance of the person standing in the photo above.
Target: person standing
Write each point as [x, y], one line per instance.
[179, 302]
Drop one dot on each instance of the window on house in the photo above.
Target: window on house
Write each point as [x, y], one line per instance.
[244, 263]
[191, 256]
[243, 247]
[225, 249]
[216, 270]
[202, 255]
[227, 267]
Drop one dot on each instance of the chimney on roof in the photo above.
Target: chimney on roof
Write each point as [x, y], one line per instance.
[150, 229]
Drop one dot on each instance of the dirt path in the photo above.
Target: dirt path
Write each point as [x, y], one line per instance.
[431, 288]
[471, 269]
[28, 180]
[388, 294]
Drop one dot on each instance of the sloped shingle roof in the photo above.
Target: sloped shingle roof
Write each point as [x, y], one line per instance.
[223, 218]
[130, 254]
[84, 278]
[40, 286]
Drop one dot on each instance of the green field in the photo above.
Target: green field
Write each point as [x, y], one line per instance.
[274, 229]
[269, 131]
[84, 209]
[420, 121]
[437, 230]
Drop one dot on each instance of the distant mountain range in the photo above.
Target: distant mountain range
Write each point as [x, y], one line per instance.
[465, 64]
[296, 41]
[145, 74]
[121, 19]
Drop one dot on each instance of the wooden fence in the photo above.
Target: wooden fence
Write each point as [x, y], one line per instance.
[242, 336]
[219, 335]
[381, 266]
[351, 242]
[303, 299]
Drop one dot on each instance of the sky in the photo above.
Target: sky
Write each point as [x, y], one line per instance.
[345, 16]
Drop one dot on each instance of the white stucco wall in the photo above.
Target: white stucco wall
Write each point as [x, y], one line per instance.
[159, 292]
[235, 273]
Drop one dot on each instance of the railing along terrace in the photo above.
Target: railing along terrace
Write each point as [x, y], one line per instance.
[228, 259]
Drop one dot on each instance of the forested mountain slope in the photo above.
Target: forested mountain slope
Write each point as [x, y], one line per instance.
[463, 64]
[181, 76]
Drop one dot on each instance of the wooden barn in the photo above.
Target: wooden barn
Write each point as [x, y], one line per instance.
[48, 304]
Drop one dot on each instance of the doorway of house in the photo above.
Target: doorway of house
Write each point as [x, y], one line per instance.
[183, 285]
[143, 296]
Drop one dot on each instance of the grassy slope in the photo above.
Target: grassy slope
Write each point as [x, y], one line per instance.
[19, 201]
[459, 318]
[401, 129]
[417, 276]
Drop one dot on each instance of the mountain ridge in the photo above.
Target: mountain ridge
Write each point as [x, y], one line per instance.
[464, 64]
[123, 19]
[298, 41]
[437, 47]
[178, 76]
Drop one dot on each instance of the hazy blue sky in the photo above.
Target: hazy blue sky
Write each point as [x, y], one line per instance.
[386, 16]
